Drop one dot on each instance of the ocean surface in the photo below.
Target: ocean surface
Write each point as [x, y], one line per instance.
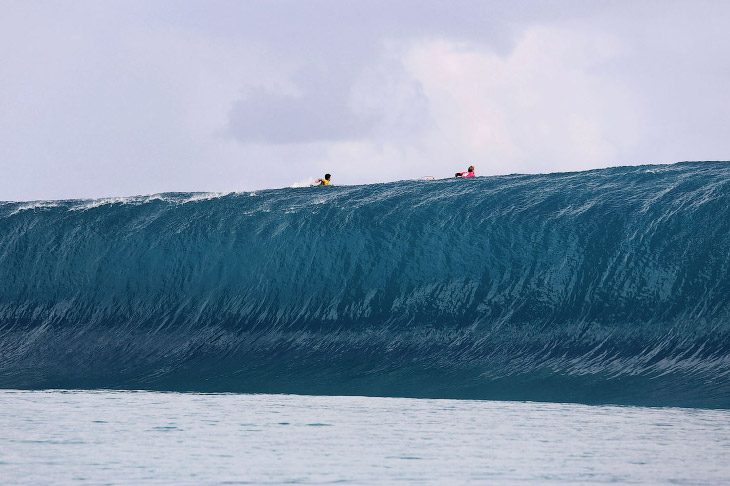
[118, 437]
[548, 328]
[608, 286]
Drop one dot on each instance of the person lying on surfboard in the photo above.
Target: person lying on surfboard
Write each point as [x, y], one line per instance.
[325, 181]
[468, 173]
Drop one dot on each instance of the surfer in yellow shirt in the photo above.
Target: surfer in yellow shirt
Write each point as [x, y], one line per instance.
[325, 181]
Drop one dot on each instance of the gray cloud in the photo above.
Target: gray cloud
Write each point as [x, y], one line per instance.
[333, 106]
[265, 117]
[334, 42]
[320, 111]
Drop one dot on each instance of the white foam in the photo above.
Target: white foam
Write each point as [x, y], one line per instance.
[204, 196]
[136, 200]
[308, 182]
[35, 205]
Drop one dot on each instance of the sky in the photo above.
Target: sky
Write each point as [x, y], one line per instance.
[113, 98]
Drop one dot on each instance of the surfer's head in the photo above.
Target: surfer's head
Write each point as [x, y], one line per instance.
[327, 176]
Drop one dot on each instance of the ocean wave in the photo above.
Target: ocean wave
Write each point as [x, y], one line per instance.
[605, 286]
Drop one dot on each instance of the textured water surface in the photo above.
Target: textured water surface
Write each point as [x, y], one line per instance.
[606, 286]
[173, 438]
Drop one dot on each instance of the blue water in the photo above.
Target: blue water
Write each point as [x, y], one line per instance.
[602, 287]
[103, 437]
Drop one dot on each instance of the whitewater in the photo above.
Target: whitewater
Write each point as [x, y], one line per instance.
[602, 287]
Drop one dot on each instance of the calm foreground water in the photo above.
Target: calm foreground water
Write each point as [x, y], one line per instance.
[133, 437]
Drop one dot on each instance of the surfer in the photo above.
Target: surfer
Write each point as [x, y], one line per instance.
[325, 181]
[468, 173]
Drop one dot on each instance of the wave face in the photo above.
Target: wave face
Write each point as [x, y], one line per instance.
[606, 286]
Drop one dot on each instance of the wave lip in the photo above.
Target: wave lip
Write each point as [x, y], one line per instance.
[605, 286]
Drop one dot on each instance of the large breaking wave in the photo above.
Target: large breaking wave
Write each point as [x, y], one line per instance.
[606, 286]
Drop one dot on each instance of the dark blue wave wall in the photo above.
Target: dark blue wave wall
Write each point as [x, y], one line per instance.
[607, 286]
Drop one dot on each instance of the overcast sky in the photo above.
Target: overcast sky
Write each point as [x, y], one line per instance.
[106, 98]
